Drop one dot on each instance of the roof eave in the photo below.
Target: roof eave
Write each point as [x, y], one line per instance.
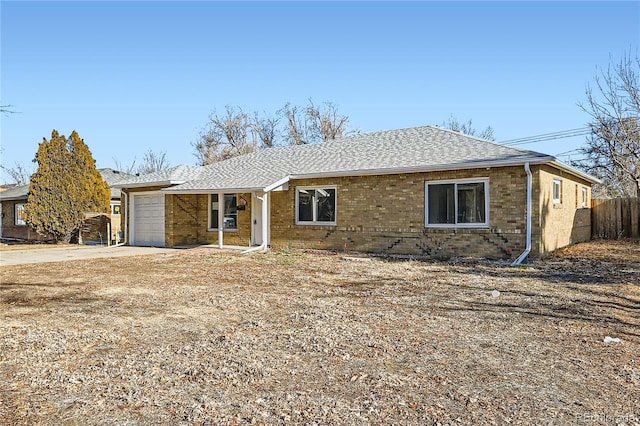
[418, 169]
[209, 190]
[14, 198]
[145, 184]
[573, 170]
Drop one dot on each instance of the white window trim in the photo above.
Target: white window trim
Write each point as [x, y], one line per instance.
[584, 194]
[485, 224]
[553, 191]
[220, 211]
[15, 215]
[302, 188]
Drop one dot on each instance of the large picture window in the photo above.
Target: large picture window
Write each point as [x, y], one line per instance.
[229, 211]
[316, 205]
[461, 203]
[19, 215]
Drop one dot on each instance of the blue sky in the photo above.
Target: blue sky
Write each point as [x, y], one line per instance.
[129, 76]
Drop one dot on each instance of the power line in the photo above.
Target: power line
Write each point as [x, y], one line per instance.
[566, 153]
[548, 136]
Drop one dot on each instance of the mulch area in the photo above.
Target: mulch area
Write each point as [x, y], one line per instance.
[208, 337]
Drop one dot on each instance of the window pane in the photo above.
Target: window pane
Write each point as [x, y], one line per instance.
[230, 211]
[557, 190]
[214, 212]
[305, 205]
[326, 199]
[471, 203]
[20, 216]
[441, 203]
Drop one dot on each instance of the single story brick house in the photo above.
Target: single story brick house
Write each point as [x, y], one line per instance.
[423, 191]
[14, 226]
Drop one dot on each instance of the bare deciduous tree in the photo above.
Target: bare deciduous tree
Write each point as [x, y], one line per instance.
[225, 136]
[296, 125]
[236, 133]
[7, 109]
[151, 162]
[325, 122]
[453, 124]
[266, 129]
[313, 123]
[128, 169]
[612, 151]
[20, 174]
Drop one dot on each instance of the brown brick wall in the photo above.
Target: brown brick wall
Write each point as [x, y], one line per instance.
[556, 225]
[20, 232]
[187, 218]
[386, 214]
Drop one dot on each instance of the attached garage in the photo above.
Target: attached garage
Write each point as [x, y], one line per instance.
[147, 219]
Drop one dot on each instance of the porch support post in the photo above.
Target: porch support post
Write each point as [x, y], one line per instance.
[265, 220]
[220, 220]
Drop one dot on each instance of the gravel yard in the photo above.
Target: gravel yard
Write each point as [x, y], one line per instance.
[202, 336]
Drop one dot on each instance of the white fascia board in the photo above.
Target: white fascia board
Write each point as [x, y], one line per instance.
[144, 184]
[277, 184]
[567, 168]
[210, 190]
[418, 169]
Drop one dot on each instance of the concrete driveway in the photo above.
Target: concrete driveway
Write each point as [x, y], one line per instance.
[61, 254]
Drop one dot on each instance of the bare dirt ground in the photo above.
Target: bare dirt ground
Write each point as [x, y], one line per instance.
[207, 337]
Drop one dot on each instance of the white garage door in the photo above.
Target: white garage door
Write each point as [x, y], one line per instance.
[148, 218]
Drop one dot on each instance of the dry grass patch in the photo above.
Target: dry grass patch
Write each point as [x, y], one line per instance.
[200, 336]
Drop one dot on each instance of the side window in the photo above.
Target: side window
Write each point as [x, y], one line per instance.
[19, 215]
[557, 191]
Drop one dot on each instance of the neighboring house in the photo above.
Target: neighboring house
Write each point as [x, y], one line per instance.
[13, 200]
[421, 191]
[12, 224]
[112, 177]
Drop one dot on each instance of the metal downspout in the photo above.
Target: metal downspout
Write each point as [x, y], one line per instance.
[527, 249]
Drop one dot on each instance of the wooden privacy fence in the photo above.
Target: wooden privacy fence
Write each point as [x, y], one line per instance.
[615, 218]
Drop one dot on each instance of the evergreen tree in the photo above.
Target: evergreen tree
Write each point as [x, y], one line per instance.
[65, 187]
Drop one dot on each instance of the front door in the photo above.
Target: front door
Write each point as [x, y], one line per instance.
[256, 220]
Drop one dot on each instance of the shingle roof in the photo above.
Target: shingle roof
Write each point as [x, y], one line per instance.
[413, 149]
[15, 193]
[109, 175]
[174, 175]
[112, 177]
